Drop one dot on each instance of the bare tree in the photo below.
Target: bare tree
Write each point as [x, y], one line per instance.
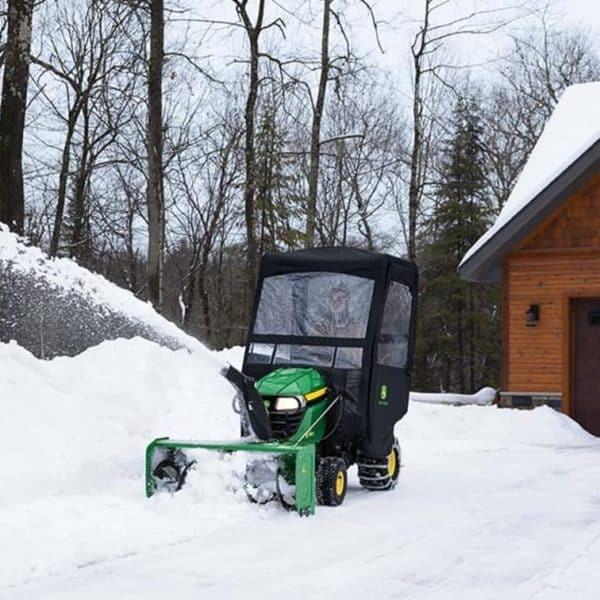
[315, 141]
[82, 48]
[327, 65]
[204, 183]
[12, 112]
[357, 168]
[430, 66]
[532, 78]
[155, 190]
[253, 32]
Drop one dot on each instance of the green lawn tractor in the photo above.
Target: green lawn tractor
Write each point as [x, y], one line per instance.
[325, 377]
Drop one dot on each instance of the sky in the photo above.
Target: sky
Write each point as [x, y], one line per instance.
[399, 20]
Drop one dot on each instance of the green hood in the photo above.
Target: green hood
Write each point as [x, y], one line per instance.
[290, 382]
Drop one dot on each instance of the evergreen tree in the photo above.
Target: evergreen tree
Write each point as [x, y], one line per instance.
[277, 205]
[458, 346]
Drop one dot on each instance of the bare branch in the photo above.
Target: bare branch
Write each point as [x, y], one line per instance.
[374, 23]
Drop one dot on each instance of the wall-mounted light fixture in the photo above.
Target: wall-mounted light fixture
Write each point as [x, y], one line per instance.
[532, 315]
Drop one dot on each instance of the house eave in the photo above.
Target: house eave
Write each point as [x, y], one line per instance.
[485, 265]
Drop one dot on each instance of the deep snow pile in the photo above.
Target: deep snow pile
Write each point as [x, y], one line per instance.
[73, 434]
[55, 307]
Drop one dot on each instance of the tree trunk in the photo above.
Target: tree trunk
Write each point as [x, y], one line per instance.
[461, 349]
[414, 187]
[315, 136]
[253, 33]
[190, 295]
[12, 113]
[155, 190]
[78, 242]
[131, 252]
[63, 178]
[203, 293]
[249, 157]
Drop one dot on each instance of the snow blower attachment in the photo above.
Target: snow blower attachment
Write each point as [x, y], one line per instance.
[325, 378]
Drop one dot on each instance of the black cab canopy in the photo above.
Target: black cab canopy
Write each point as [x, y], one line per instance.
[348, 312]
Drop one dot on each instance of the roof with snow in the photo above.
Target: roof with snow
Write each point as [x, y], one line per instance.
[564, 158]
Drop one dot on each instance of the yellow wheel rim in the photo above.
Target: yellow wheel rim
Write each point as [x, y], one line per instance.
[392, 463]
[340, 483]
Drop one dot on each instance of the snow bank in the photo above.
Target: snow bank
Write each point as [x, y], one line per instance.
[233, 356]
[567, 135]
[56, 307]
[73, 432]
[484, 397]
[89, 417]
[490, 427]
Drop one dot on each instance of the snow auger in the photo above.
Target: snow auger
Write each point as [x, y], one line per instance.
[325, 377]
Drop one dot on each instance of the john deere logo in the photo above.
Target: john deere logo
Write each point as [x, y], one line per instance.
[383, 394]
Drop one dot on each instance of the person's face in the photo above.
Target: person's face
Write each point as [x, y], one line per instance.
[339, 302]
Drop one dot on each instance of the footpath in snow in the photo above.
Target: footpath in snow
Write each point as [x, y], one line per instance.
[491, 503]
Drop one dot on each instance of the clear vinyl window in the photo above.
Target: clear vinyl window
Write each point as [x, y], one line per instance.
[295, 354]
[261, 354]
[314, 304]
[298, 354]
[392, 345]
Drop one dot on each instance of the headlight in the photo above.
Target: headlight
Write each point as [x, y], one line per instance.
[288, 403]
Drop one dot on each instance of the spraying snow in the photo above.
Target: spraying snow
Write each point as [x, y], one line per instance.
[56, 307]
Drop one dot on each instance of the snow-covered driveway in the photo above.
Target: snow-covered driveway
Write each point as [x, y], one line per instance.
[491, 503]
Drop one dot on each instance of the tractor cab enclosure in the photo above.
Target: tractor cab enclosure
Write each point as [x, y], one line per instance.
[351, 315]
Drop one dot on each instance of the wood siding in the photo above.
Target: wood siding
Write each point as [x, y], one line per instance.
[559, 261]
[575, 225]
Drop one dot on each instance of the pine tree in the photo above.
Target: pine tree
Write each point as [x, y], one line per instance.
[458, 339]
[277, 206]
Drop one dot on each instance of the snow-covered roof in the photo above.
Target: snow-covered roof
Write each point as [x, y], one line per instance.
[571, 133]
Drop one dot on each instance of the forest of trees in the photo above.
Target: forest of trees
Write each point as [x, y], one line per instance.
[168, 149]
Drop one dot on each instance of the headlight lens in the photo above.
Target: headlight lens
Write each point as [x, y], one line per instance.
[288, 403]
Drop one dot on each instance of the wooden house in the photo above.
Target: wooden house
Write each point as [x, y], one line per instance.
[545, 250]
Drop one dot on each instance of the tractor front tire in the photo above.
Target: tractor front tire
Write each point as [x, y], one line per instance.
[332, 481]
[379, 474]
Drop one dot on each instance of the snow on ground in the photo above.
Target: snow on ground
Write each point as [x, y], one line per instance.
[491, 503]
[234, 356]
[484, 397]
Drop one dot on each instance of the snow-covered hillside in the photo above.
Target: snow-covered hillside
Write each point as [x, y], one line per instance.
[491, 503]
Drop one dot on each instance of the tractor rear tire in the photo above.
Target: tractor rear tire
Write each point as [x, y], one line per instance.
[332, 481]
[380, 474]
